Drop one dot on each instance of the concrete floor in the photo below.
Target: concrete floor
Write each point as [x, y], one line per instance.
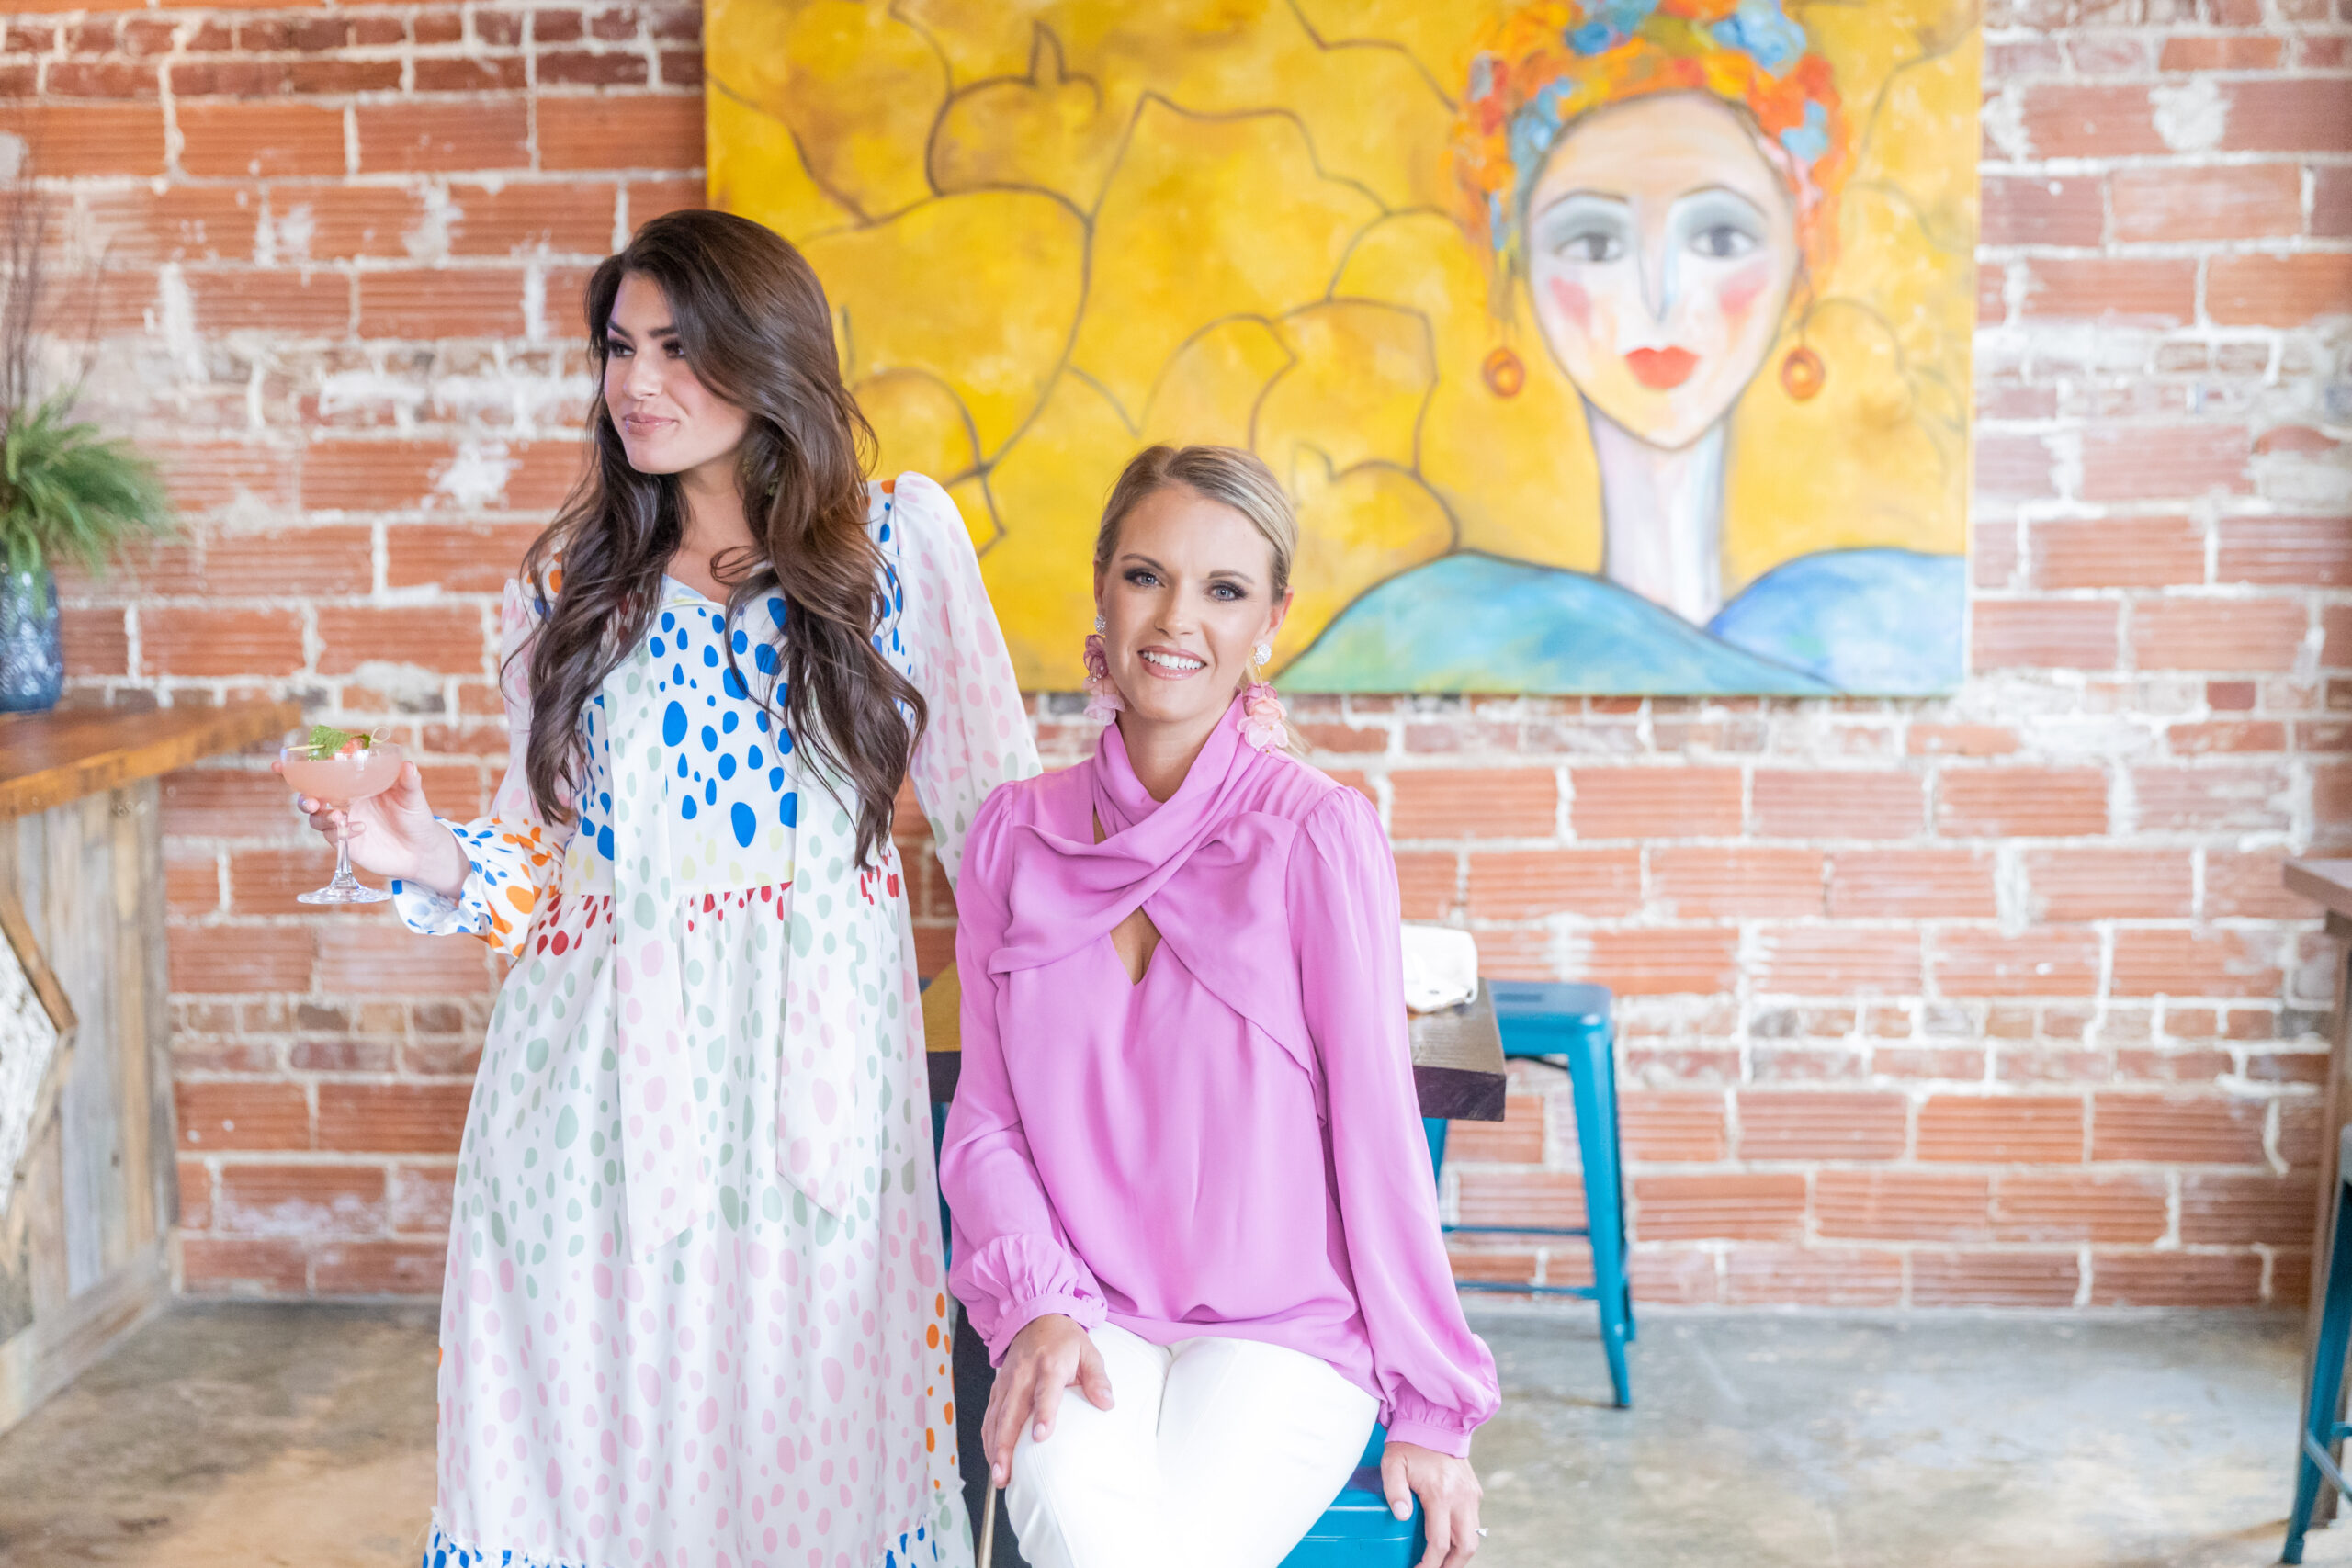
[1872, 1442]
[243, 1436]
[302, 1436]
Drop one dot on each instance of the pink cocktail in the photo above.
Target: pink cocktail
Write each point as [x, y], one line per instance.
[355, 773]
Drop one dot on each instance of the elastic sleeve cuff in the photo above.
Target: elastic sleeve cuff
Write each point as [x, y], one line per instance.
[1085, 1311]
[429, 913]
[1443, 1437]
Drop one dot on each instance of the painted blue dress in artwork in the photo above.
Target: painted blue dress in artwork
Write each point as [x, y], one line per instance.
[1861, 622]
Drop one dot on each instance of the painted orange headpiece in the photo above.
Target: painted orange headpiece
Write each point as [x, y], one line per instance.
[1551, 61]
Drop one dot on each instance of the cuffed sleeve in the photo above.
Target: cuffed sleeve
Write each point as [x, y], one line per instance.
[1023, 1278]
[1435, 1379]
[1012, 1262]
[511, 854]
[1413, 1420]
[978, 736]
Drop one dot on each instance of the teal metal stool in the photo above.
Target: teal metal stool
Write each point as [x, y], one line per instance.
[1567, 1025]
[1357, 1530]
[2321, 1430]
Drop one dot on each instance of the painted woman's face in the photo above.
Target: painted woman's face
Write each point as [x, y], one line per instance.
[1661, 247]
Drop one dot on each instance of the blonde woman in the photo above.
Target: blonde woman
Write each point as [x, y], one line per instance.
[1184, 1161]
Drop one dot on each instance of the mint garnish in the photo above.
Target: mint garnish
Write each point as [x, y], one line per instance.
[326, 742]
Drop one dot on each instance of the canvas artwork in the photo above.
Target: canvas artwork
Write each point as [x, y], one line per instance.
[1613, 346]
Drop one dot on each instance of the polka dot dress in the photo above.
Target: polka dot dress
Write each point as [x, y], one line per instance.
[695, 1312]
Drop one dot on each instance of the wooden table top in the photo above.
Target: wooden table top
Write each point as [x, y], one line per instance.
[1457, 1053]
[2327, 882]
[47, 759]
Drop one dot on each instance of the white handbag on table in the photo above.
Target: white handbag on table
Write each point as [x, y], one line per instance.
[1441, 967]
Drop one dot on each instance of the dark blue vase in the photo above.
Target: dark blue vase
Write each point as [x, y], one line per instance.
[32, 657]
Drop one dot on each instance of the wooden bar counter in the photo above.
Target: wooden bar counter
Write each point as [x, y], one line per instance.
[86, 1219]
[2328, 884]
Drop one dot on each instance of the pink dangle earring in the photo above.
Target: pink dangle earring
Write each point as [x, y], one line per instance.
[1261, 710]
[1103, 701]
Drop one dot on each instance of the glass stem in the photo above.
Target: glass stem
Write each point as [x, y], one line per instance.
[342, 877]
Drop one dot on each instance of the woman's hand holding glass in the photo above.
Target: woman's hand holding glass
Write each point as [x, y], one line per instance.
[1048, 1356]
[394, 834]
[1449, 1492]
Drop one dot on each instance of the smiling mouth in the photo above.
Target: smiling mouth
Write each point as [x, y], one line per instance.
[1662, 369]
[1171, 666]
[640, 424]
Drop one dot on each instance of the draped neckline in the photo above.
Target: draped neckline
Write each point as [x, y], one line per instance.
[1076, 889]
[1209, 865]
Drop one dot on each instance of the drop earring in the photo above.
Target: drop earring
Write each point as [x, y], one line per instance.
[1103, 703]
[1803, 374]
[1504, 373]
[1263, 717]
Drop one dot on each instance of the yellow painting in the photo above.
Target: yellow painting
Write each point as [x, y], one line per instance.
[1604, 345]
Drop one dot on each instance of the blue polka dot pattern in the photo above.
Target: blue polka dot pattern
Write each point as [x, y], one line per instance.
[729, 782]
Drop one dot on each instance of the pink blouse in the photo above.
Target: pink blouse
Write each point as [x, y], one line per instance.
[1230, 1146]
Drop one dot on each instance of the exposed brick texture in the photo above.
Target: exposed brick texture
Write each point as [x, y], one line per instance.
[1992, 1000]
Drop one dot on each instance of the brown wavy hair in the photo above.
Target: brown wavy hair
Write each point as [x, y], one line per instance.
[753, 324]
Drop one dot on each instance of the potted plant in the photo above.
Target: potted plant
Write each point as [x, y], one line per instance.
[66, 490]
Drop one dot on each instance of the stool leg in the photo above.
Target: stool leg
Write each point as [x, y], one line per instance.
[1433, 1128]
[1616, 1147]
[1596, 1107]
[2328, 1378]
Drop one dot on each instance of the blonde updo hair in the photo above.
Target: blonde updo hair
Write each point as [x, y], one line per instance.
[1224, 474]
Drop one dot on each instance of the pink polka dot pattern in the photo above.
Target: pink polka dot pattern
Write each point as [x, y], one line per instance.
[696, 1313]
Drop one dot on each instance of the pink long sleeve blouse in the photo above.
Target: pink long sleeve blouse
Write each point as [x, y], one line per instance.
[1230, 1146]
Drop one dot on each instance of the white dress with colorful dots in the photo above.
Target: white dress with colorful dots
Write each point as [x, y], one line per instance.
[694, 1313]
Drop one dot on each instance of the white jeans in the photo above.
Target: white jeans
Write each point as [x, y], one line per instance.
[1214, 1451]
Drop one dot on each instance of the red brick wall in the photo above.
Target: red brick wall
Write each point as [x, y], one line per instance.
[1986, 1001]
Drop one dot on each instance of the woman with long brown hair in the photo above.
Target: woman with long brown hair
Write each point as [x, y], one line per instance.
[694, 1312]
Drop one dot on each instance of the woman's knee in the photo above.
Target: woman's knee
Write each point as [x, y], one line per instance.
[1089, 1495]
[1076, 1496]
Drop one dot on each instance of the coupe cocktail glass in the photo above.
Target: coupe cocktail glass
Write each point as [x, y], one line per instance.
[355, 773]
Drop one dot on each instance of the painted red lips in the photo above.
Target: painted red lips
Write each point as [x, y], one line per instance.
[1662, 369]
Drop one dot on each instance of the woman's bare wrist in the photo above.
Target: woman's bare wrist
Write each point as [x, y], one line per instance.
[449, 867]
